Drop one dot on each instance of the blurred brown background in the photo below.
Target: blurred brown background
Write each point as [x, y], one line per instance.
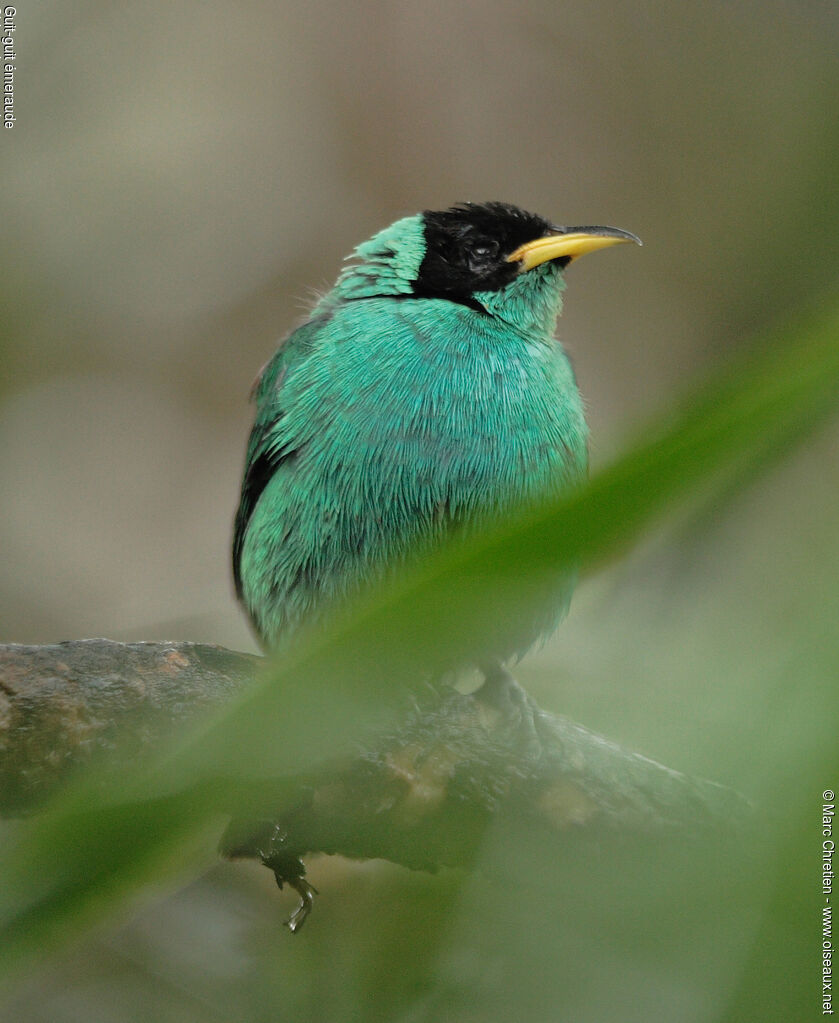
[182, 179]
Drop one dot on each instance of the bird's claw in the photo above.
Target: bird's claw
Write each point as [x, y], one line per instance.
[307, 893]
[266, 840]
[289, 870]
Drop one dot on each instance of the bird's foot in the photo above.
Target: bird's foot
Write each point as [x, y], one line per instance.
[288, 870]
[266, 841]
[519, 716]
[307, 893]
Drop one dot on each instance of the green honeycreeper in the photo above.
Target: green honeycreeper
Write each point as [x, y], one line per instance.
[425, 393]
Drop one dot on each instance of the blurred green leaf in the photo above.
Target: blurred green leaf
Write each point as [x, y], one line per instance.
[95, 846]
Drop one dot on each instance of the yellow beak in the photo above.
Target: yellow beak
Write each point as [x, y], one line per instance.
[568, 243]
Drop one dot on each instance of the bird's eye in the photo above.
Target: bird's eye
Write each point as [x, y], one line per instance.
[482, 253]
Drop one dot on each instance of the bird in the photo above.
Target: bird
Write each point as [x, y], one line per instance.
[424, 394]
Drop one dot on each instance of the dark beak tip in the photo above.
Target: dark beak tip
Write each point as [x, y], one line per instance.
[616, 232]
[609, 232]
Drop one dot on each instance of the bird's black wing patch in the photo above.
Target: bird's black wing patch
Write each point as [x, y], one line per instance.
[258, 474]
[264, 457]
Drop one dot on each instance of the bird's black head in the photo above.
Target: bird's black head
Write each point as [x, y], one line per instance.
[476, 254]
[466, 248]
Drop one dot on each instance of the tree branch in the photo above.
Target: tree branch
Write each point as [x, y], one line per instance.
[62, 705]
[421, 796]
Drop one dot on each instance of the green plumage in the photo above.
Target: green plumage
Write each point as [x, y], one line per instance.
[402, 410]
